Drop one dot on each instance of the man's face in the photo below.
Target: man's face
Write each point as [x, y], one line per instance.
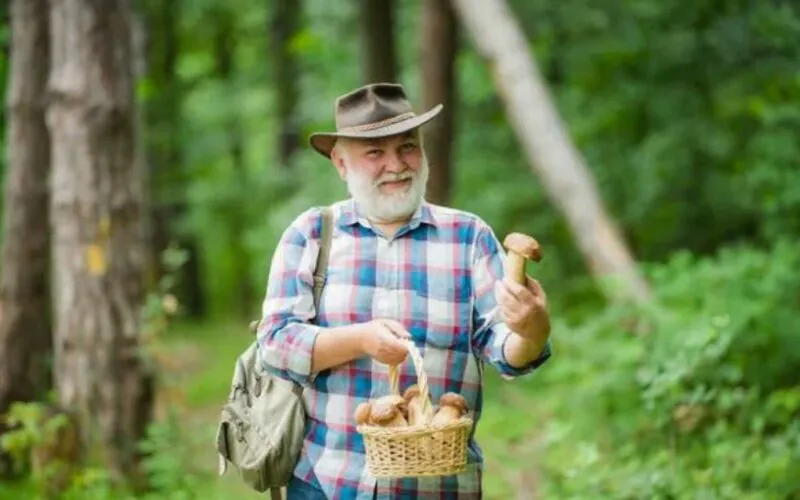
[386, 177]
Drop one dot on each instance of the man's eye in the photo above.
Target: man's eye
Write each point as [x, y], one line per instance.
[373, 152]
[409, 146]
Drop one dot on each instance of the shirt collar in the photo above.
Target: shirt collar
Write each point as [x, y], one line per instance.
[350, 215]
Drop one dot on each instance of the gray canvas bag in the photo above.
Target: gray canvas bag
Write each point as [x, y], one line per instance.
[261, 427]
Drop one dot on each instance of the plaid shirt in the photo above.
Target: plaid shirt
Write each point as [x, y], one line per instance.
[436, 277]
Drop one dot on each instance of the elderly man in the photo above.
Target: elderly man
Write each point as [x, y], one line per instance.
[399, 268]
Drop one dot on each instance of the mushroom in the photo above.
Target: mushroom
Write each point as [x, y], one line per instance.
[389, 411]
[414, 405]
[452, 407]
[363, 413]
[520, 248]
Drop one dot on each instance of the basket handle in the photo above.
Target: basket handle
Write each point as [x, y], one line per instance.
[422, 379]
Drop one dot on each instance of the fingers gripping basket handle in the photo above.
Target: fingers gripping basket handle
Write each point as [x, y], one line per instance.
[422, 380]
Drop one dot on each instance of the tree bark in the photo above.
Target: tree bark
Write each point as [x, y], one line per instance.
[285, 21]
[96, 209]
[25, 336]
[544, 137]
[438, 48]
[378, 52]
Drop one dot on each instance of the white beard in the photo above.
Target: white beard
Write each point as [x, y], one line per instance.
[388, 207]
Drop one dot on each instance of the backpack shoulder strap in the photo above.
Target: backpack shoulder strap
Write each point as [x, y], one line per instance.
[321, 268]
[324, 251]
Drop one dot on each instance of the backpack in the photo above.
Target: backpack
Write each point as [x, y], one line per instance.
[261, 427]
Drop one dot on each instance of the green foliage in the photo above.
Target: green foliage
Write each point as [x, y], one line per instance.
[168, 464]
[29, 427]
[705, 405]
[687, 114]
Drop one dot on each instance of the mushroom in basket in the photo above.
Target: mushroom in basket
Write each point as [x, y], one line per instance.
[387, 411]
[414, 405]
[452, 407]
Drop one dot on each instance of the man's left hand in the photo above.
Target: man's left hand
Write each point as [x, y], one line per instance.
[524, 308]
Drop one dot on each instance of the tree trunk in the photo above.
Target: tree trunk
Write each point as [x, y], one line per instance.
[25, 337]
[553, 157]
[97, 216]
[379, 57]
[439, 46]
[285, 24]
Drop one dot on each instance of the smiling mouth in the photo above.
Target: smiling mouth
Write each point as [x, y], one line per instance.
[395, 183]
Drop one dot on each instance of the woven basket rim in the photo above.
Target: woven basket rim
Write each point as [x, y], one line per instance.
[412, 431]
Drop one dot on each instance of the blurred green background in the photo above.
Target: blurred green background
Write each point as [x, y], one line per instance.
[688, 115]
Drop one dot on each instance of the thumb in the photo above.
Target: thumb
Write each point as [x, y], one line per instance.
[397, 329]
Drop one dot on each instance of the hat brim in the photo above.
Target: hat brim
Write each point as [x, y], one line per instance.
[323, 142]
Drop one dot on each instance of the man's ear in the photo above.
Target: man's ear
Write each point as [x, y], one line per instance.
[338, 162]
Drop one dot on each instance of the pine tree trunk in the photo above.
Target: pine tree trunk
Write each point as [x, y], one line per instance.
[25, 336]
[97, 216]
[438, 47]
[379, 55]
[545, 140]
[285, 24]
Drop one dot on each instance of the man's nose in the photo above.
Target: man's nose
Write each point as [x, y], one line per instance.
[394, 163]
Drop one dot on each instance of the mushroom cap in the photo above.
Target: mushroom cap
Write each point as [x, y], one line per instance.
[454, 400]
[410, 392]
[393, 400]
[362, 413]
[382, 412]
[384, 408]
[524, 245]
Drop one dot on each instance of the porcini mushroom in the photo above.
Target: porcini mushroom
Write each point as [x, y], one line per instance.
[452, 407]
[414, 405]
[521, 247]
[363, 413]
[389, 411]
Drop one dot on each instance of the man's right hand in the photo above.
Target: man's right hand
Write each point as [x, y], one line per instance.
[382, 341]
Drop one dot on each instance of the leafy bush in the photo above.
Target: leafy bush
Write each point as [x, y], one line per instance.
[704, 405]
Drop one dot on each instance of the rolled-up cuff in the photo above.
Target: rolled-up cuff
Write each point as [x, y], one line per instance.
[509, 371]
[288, 352]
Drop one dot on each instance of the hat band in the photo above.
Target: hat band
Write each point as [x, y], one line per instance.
[382, 123]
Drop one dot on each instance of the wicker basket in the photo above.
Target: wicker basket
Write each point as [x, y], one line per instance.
[420, 450]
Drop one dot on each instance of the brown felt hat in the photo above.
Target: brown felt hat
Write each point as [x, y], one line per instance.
[371, 111]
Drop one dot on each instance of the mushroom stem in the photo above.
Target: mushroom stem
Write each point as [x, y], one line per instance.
[396, 421]
[445, 415]
[516, 267]
[412, 397]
